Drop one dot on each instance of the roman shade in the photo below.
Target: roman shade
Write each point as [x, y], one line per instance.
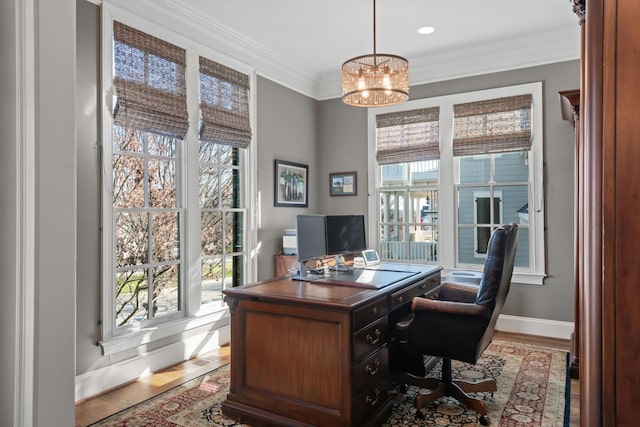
[492, 126]
[224, 105]
[150, 83]
[408, 136]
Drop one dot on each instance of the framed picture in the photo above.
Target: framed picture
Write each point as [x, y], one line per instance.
[291, 184]
[343, 184]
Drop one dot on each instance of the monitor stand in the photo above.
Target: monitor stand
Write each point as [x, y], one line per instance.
[303, 275]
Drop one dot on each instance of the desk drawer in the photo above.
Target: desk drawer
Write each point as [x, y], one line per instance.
[404, 296]
[370, 312]
[370, 338]
[371, 370]
[370, 400]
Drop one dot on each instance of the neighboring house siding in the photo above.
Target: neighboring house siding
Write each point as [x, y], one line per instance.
[509, 168]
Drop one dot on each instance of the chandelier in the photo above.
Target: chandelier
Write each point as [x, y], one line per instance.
[375, 80]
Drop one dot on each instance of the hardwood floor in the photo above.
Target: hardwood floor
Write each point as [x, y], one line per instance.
[96, 408]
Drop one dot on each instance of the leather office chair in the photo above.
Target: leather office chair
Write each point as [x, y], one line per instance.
[458, 325]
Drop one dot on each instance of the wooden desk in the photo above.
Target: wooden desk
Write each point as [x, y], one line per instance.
[310, 354]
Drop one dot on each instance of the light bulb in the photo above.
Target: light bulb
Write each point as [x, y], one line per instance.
[362, 84]
[386, 81]
[365, 94]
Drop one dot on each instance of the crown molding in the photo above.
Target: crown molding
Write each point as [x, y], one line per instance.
[534, 49]
[190, 24]
[502, 55]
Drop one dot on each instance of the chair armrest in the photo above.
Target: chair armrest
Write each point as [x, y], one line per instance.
[449, 307]
[458, 292]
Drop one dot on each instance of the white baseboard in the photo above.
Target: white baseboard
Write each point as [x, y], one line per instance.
[533, 326]
[109, 377]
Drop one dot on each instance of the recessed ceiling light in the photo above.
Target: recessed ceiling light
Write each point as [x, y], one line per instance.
[426, 30]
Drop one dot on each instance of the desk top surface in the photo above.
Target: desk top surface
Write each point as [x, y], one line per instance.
[340, 289]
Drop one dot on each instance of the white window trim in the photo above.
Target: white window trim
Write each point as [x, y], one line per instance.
[194, 316]
[536, 272]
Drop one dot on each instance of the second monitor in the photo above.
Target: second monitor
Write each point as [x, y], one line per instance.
[345, 234]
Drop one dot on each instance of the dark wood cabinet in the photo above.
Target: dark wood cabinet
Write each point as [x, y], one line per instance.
[310, 354]
[570, 107]
[608, 203]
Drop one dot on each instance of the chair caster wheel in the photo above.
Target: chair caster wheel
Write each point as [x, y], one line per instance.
[404, 389]
[483, 420]
[419, 415]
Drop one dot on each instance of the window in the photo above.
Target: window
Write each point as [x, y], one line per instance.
[224, 133]
[146, 138]
[147, 227]
[491, 143]
[487, 171]
[409, 211]
[175, 231]
[408, 152]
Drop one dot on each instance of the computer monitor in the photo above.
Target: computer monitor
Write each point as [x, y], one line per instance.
[310, 236]
[345, 234]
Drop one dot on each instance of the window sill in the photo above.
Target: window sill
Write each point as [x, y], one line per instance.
[518, 277]
[149, 335]
[528, 278]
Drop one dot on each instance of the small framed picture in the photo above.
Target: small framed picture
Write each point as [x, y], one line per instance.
[343, 184]
[291, 184]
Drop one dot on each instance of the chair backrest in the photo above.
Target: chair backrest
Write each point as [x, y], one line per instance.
[497, 272]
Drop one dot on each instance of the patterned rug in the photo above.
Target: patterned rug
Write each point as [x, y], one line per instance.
[532, 389]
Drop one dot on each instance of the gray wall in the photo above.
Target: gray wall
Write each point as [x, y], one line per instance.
[287, 128]
[343, 140]
[55, 213]
[343, 130]
[8, 198]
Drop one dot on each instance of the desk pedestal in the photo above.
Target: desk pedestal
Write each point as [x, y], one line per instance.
[305, 354]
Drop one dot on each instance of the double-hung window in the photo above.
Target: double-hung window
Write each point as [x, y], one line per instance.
[223, 134]
[408, 152]
[174, 199]
[484, 170]
[491, 145]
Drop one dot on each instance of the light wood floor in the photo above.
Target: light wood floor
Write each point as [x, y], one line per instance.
[96, 408]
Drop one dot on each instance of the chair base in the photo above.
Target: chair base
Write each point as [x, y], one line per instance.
[446, 386]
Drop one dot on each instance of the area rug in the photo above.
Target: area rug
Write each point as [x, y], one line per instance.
[532, 392]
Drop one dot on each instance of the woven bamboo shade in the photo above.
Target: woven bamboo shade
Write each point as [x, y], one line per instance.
[492, 126]
[408, 136]
[224, 103]
[150, 83]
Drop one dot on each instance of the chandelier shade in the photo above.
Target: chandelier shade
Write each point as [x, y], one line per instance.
[375, 80]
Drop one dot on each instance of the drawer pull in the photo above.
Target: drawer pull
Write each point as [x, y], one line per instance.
[372, 371]
[423, 286]
[374, 310]
[372, 402]
[372, 340]
[400, 299]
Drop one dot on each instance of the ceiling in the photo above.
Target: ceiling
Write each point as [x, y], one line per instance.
[302, 44]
